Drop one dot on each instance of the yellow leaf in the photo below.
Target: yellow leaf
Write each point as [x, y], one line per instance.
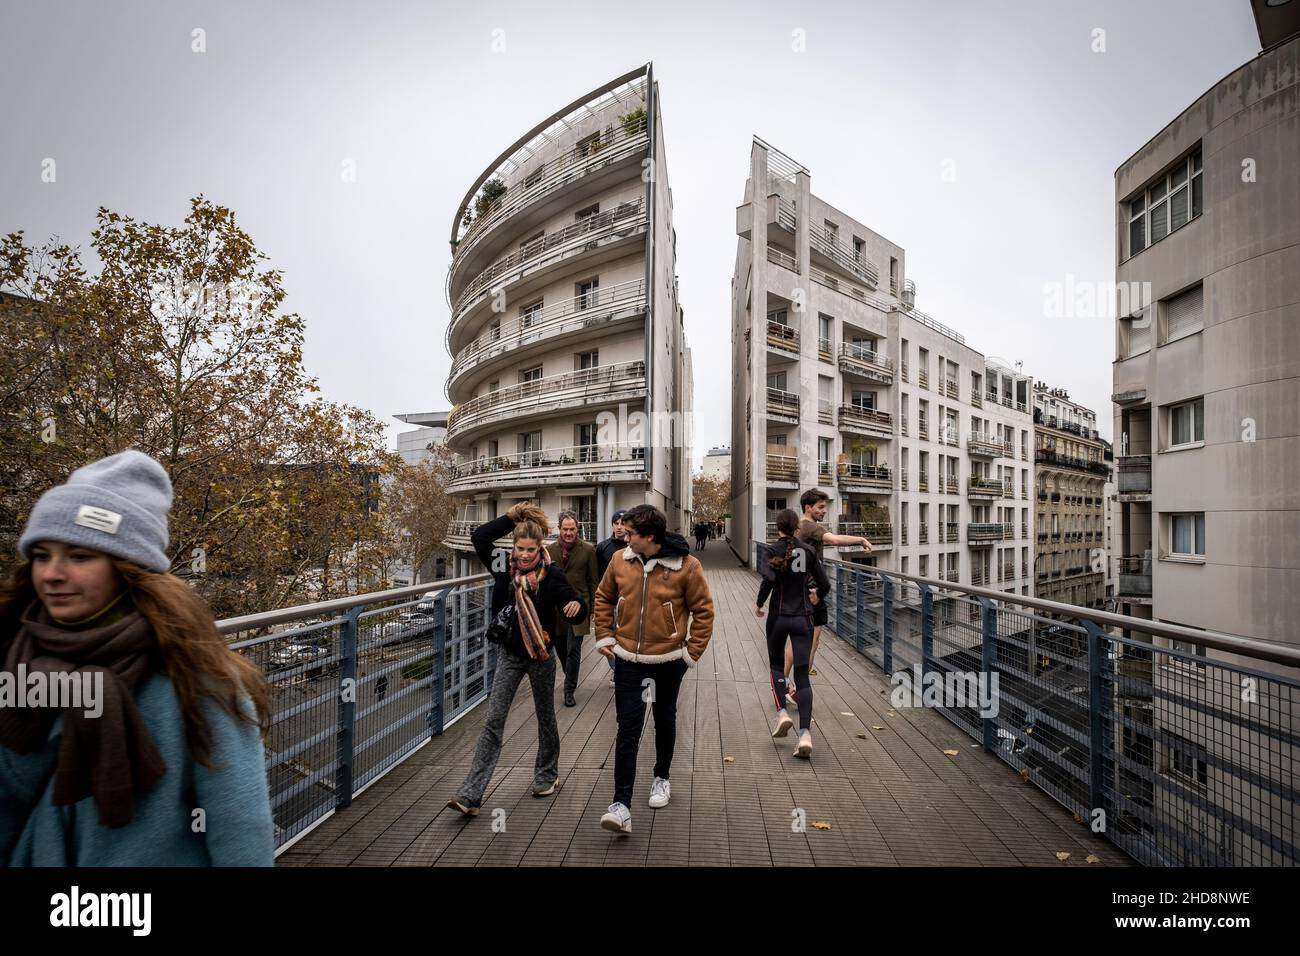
[864, 736]
[846, 713]
[1062, 856]
[1024, 775]
[822, 825]
[1093, 858]
[875, 727]
[1078, 818]
[952, 753]
[728, 759]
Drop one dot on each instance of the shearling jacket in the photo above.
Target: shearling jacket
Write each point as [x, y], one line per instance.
[643, 607]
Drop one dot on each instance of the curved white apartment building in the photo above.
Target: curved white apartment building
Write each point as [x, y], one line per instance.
[570, 377]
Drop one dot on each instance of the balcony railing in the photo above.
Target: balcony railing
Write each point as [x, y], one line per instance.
[844, 257]
[1134, 576]
[824, 349]
[573, 461]
[902, 480]
[786, 216]
[781, 336]
[951, 484]
[902, 424]
[869, 419]
[571, 315]
[1134, 474]
[975, 398]
[782, 403]
[781, 467]
[922, 428]
[923, 534]
[1045, 456]
[949, 532]
[977, 577]
[577, 235]
[873, 476]
[983, 487]
[860, 360]
[923, 482]
[950, 388]
[552, 176]
[984, 531]
[588, 383]
[984, 446]
[903, 370]
[877, 532]
[782, 259]
[923, 378]
[825, 411]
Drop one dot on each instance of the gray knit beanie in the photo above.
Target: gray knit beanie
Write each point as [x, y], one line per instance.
[117, 505]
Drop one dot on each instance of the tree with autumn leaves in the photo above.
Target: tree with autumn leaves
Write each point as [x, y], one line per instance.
[177, 345]
[711, 497]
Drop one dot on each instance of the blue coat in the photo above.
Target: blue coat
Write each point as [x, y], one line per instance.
[237, 831]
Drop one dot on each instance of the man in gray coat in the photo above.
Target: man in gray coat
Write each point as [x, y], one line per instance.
[577, 559]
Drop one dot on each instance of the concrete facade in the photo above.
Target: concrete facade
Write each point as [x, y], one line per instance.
[571, 375]
[839, 382]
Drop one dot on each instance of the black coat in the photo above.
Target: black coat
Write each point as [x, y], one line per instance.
[789, 589]
[553, 594]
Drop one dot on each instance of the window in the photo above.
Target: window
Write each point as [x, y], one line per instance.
[1183, 762]
[825, 332]
[832, 231]
[530, 449]
[1135, 334]
[859, 249]
[535, 237]
[1165, 205]
[1184, 314]
[1187, 423]
[587, 294]
[779, 316]
[865, 400]
[530, 314]
[776, 380]
[584, 360]
[824, 454]
[1187, 534]
[1189, 648]
[533, 178]
[494, 330]
[586, 211]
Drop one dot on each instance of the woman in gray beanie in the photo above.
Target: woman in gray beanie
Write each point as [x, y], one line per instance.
[130, 735]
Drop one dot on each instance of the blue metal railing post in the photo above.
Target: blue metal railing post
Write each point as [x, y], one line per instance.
[489, 649]
[1096, 725]
[988, 660]
[859, 635]
[437, 715]
[839, 599]
[886, 625]
[347, 710]
[927, 628]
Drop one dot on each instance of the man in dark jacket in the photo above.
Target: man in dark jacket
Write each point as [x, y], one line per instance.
[577, 559]
[521, 654]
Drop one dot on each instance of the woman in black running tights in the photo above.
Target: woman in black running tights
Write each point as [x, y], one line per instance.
[795, 581]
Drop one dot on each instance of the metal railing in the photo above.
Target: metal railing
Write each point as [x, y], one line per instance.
[987, 531]
[786, 216]
[552, 176]
[869, 418]
[360, 683]
[862, 360]
[597, 382]
[1134, 474]
[587, 229]
[923, 378]
[950, 388]
[922, 427]
[782, 467]
[842, 255]
[985, 445]
[877, 532]
[580, 312]
[975, 398]
[851, 473]
[1158, 749]
[983, 486]
[781, 336]
[949, 532]
[782, 403]
[825, 411]
[567, 461]
[1134, 575]
[1046, 456]
[782, 259]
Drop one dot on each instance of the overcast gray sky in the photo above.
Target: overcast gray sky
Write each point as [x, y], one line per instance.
[883, 94]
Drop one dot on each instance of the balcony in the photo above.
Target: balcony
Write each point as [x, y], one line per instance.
[949, 532]
[879, 533]
[841, 256]
[922, 428]
[1134, 478]
[1024, 570]
[575, 463]
[852, 476]
[983, 532]
[824, 347]
[868, 421]
[574, 239]
[782, 212]
[1024, 530]
[950, 484]
[783, 405]
[984, 446]
[923, 378]
[902, 535]
[978, 487]
[923, 482]
[1045, 456]
[825, 473]
[781, 466]
[570, 318]
[1134, 578]
[923, 535]
[952, 575]
[950, 389]
[978, 577]
[783, 259]
[902, 480]
[825, 411]
[902, 424]
[903, 370]
[623, 142]
[783, 337]
[909, 295]
[602, 385]
[862, 362]
[975, 398]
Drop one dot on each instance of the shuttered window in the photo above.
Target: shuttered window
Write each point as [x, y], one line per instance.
[1185, 313]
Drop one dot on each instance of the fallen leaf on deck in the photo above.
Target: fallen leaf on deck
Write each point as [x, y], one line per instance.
[876, 727]
[846, 713]
[821, 825]
[952, 753]
[864, 736]
[1024, 775]
[728, 759]
[1093, 858]
[1062, 857]
[1078, 818]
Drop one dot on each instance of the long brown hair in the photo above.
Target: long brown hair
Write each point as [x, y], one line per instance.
[193, 653]
[787, 523]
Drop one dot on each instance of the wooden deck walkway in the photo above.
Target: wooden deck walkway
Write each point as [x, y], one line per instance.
[890, 796]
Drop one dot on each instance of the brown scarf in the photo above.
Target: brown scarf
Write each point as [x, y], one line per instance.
[526, 581]
[112, 757]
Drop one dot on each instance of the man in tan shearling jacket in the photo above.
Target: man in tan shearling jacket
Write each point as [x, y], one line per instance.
[654, 618]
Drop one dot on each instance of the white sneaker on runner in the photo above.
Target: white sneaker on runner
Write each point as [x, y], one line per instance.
[783, 724]
[618, 819]
[805, 745]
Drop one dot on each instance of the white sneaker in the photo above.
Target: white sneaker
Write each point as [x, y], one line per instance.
[805, 745]
[660, 791]
[783, 724]
[618, 819]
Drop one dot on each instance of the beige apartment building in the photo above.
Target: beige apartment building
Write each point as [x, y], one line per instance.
[571, 376]
[839, 382]
[1207, 444]
[1070, 474]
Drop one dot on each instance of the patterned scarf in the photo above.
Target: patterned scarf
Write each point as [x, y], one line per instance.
[527, 579]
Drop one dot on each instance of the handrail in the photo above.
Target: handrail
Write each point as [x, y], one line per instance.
[544, 387]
